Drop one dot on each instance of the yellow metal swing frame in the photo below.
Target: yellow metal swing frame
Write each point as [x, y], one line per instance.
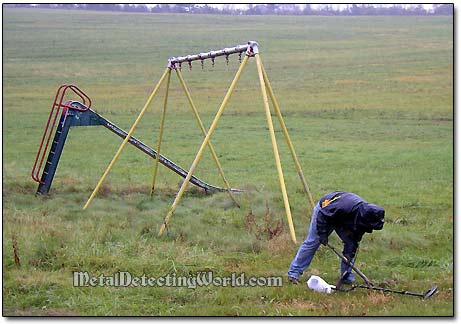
[251, 50]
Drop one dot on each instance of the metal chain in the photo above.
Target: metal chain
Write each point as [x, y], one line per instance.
[201, 63]
[190, 65]
[227, 59]
[212, 62]
[240, 57]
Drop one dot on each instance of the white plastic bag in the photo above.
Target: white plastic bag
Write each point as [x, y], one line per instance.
[318, 284]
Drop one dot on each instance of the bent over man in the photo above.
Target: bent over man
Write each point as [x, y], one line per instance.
[350, 216]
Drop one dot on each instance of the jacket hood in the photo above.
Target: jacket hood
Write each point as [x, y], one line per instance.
[371, 217]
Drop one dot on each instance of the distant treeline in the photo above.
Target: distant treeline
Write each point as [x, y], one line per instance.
[259, 9]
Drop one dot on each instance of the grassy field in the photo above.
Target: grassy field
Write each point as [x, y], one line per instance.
[368, 102]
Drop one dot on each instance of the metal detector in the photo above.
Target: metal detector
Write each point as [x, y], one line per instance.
[369, 285]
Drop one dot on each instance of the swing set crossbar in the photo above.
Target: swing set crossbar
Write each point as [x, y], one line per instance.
[250, 49]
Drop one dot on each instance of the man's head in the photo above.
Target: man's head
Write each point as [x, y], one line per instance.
[371, 217]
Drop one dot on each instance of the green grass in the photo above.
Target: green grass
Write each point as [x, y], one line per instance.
[368, 102]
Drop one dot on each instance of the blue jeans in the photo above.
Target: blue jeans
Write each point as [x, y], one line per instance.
[308, 248]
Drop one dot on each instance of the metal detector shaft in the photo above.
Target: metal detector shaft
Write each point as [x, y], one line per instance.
[427, 294]
[348, 262]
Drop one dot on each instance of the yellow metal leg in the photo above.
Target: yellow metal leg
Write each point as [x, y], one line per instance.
[160, 135]
[202, 128]
[274, 146]
[202, 147]
[120, 149]
[287, 137]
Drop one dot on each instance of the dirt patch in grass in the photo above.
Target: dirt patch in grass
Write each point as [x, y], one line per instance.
[446, 294]
[104, 191]
[377, 298]
[134, 190]
[15, 188]
[280, 245]
[299, 304]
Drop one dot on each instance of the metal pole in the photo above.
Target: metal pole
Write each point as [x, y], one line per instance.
[275, 148]
[160, 135]
[210, 55]
[128, 136]
[348, 262]
[287, 137]
[202, 128]
[202, 147]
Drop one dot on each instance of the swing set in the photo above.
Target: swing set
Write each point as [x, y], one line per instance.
[249, 50]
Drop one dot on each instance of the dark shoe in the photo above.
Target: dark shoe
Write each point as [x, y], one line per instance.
[347, 281]
[293, 280]
[347, 278]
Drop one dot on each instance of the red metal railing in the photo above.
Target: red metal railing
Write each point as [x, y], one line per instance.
[51, 123]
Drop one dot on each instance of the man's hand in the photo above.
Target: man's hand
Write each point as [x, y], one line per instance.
[323, 239]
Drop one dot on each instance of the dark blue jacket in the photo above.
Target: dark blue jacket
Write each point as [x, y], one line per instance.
[350, 216]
